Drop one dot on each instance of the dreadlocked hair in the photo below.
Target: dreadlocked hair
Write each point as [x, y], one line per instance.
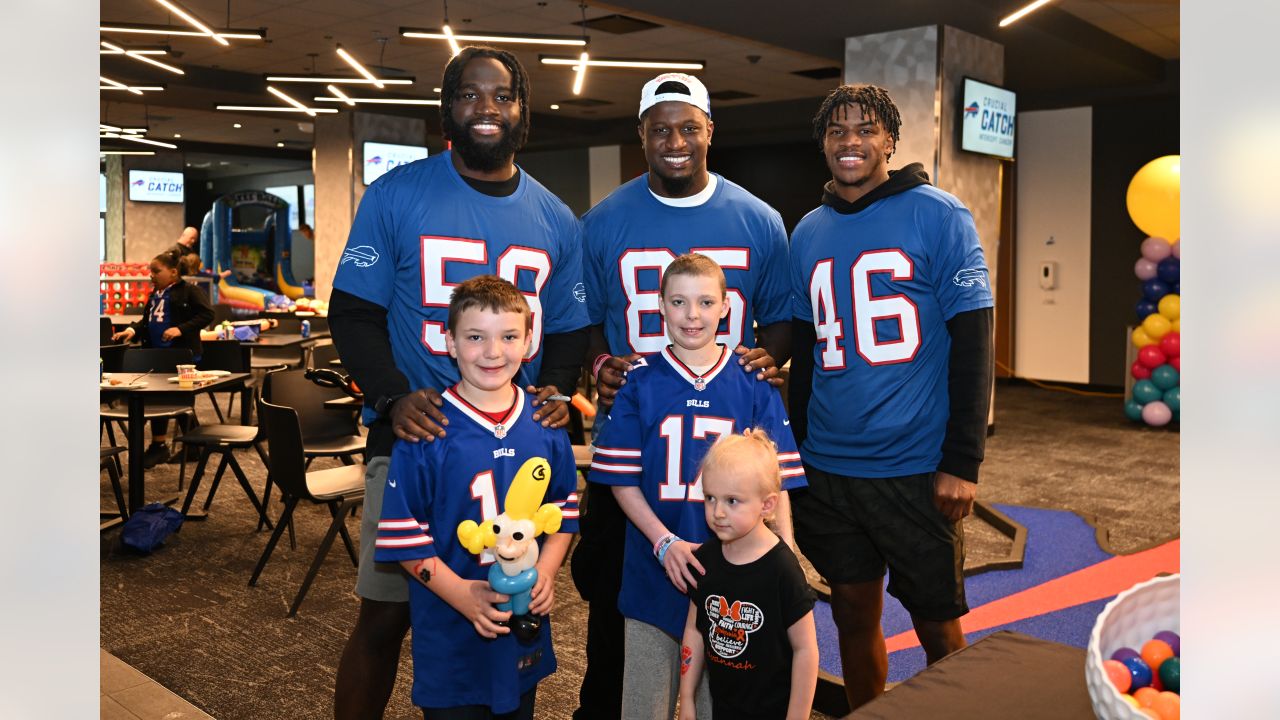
[874, 102]
[519, 81]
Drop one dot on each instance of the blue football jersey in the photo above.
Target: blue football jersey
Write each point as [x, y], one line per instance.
[631, 237]
[431, 488]
[879, 286]
[421, 230]
[662, 423]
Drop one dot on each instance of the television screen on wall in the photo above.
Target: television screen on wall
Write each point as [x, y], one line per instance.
[987, 119]
[155, 186]
[380, 158]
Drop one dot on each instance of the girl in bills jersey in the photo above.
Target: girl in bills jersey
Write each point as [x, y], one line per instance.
[675, 404]
[466, 661]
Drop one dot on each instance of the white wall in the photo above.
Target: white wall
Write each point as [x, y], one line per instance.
[1051, 327]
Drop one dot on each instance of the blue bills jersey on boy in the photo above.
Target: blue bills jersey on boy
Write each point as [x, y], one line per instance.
[631, 237]
[421, 230]
[431, 487]
[879, 286]
[662, 423]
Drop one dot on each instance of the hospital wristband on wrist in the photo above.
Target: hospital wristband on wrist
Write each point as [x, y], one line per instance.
[660, 548]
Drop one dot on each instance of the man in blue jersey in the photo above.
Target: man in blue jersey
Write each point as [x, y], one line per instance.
[630, 237]
[421, 229]
[890, 386]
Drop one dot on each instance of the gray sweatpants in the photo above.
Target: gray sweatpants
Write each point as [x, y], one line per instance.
[651, 675]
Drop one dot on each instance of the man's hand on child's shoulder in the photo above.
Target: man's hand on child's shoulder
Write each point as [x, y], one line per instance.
[759, 359]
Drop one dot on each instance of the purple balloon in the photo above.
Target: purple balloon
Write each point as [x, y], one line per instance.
[1145, 269]
[1156, 413]
[1156, 249]
[1176, 249]
[1172, 638]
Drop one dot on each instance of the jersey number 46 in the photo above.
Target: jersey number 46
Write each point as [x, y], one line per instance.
[867, 310]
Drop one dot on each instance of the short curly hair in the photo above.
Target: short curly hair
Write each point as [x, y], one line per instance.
[874, 101]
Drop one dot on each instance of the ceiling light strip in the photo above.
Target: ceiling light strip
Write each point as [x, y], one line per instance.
[135, 89]
[340, 95]
[446, 33]
[150, 29]
[126, 152]
[119, 85]
[374, 100]
[625, 63]
[580, 73]
[1018, 15]
[291, 101]
[453, 41]
[142, 58]
[135, 138]
[271, 108]
[136, 52]
[192, 21]
[338, 80]
[342, 53]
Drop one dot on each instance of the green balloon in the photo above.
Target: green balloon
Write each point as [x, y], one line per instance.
[1173, 398]
[1133, 409]
[1165, 377]
[1145, 391]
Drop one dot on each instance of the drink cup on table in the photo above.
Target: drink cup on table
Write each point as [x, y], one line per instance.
[187, 376]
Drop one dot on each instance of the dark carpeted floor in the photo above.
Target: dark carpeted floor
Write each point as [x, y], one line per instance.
[186, 617]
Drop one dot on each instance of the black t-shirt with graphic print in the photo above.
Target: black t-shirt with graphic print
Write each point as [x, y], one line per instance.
[743, 615]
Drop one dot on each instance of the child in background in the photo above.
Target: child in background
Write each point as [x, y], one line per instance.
[467, 663]
[174, 314]
[673, 407]
[193, 265]
[751, 615]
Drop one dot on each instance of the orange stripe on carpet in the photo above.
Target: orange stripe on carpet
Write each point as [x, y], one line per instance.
[1107, 578]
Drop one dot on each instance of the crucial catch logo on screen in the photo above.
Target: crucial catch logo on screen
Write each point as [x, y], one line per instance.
[988, 119]
[155, 186]
[381, 158]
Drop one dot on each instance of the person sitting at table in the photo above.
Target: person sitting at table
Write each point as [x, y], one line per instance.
[173, 317]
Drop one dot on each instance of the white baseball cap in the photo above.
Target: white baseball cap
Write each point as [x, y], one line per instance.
[694, 92]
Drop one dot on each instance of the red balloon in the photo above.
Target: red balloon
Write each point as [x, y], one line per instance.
[1140, 371]
[1152, 357]
[1170, 344]
[1176, 362]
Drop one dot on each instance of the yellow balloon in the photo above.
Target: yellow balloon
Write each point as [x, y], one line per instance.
[1177, 325]
[1153, 195]
[1141, 339]
[1171, 307]
[1156, 326]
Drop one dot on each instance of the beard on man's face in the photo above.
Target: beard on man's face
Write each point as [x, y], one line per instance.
[674, 186]
[483, 155]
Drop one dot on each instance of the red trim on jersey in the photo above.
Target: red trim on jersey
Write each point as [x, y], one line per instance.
[498, 418]
[902, 330]
[692, 376]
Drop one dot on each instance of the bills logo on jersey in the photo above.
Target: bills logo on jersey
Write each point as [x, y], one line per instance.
[580, 292]
[361, 255]
[731, 625]
[969, 277]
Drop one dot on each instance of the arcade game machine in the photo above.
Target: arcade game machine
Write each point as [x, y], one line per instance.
[248, 233]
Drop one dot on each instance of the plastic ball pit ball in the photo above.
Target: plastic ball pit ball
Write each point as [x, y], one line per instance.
[1118, 674]
[1171, 674]
[1172, 638]
[1155, 652]
[1129, 621]
[1140, 672]
[1124, 652]
[1168, 705]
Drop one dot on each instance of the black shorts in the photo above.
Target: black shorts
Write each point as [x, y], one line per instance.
[481, 712]
[851, 529]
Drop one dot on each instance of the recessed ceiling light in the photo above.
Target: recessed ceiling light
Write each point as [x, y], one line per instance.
[435, 90]
[555, 107]
[236, 125]
[177, 135]
[279, 144]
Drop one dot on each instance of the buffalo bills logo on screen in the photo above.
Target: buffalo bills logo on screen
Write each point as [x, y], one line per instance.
[139, 183]
[375, 160]
[361, 255]
[972, 109]
[969, 277]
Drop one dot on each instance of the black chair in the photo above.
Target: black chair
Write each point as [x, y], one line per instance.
[224, 440]
[325, 433]
[224, 355]
[112, 357]
[105, 330]
[321, 353]
[222, 313]
[340, 488]
[109, 460]
[141, 360]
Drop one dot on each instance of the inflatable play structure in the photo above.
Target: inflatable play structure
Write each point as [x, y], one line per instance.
[248, 233]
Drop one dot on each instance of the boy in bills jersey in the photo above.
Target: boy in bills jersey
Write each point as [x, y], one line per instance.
[677, 402]
[890, 386]
[467, 662]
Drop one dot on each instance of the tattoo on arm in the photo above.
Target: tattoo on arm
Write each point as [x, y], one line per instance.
[686, 657]
[425, 572]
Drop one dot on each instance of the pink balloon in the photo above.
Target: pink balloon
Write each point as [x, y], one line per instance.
[1176, 249]
[1144, 269]
[1156, 413]
[1156, 249]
